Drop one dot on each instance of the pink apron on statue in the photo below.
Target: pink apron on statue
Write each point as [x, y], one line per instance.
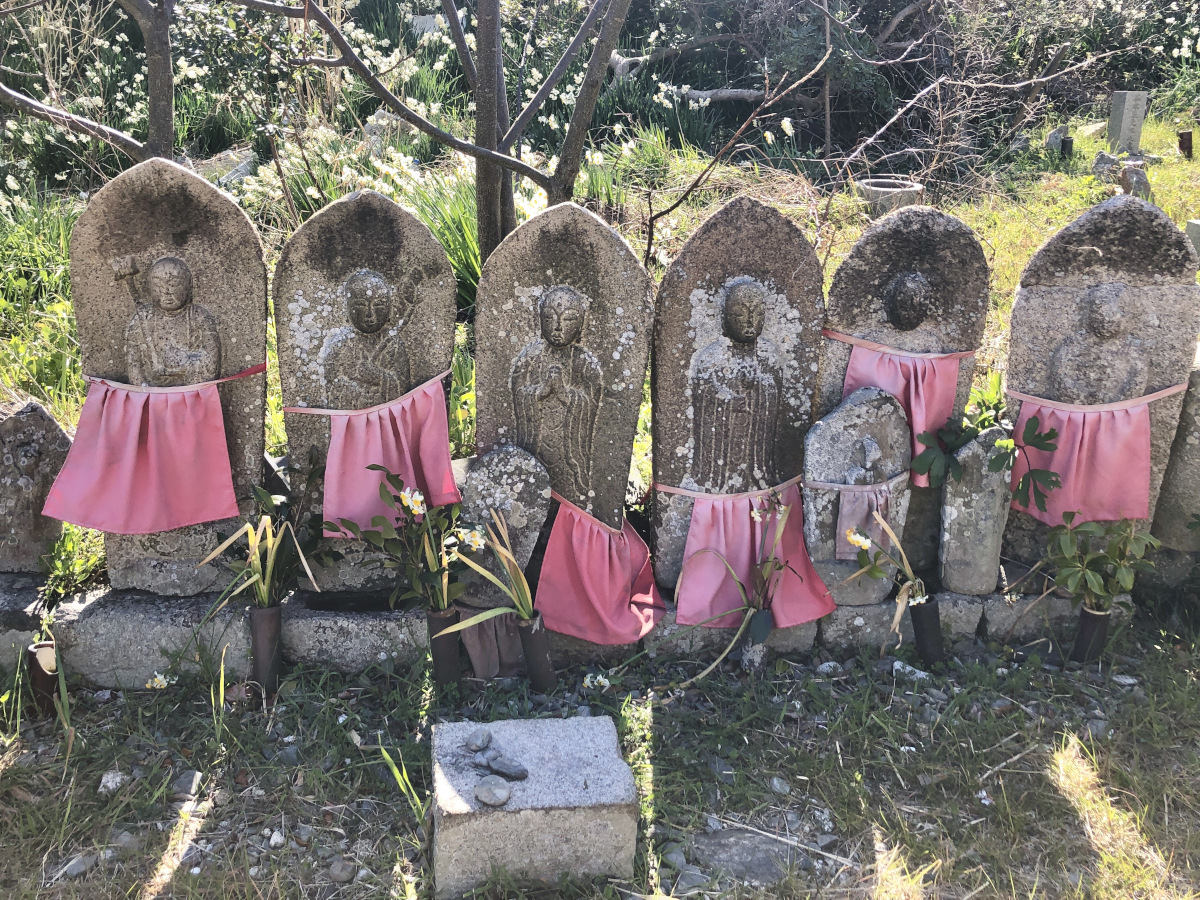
[924, 383]
[596, 582]
[409, 436]
[147, 459]
[1102, 457]
[725, 525]
[857, 504]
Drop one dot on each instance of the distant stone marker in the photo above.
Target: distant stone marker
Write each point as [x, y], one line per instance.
[564, 314]
[856, 461]
[364, 308]
[32, 449]
[737, 343]
[1125, 121]
[1107, 312]
[1193, 233]
[915, 283]
[169, 288]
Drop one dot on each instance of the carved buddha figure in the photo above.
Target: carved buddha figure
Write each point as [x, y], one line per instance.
[1105, 361]
[735, 399]
[556, 386]
[170, 341]
[366, 362]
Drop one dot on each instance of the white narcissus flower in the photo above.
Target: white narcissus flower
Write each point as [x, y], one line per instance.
[858, 540]
[786, 125]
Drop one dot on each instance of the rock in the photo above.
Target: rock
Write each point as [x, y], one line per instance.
[1002, 706]
[1125, 121]
[1193, 233]
[690, 881]
[1134, 181]
[1124, 680]
[1105, 165]
[1179, 499]
[79, 865]
[739, 313]
[187, 784]
[908, 673]
[567, 274]
[824, 841]
[112, 781]
[277, 840]
[478, 740]
[831, 669]
[1118, 284]
[751, 858]
[1054, 139]
[33, 448]
[722, 769]
[672, 854]
[508, 768]
[227, 168]
[1097, 729]
[342, 872]
[780, 787]
[288, 756]
[159, 217]
[1020, 144]
[577, 811]
[361, 280]
[916, 281]
[125, 840]
[974, 513]
[1095, 129]
[492, 790]
[864, 441]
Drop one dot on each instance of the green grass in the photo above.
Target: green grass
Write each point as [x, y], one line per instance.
[895, 771]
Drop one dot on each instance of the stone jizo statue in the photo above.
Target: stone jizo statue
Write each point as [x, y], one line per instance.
[1105, 361]
[735, 396]
[557, 384]
[366, 362]
[171, 340]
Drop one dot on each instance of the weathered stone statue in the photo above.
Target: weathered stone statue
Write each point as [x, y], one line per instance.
[1110, 332]
[32, 450]
[366, 362]
[171, 340]
[556, 386]
[735, 398]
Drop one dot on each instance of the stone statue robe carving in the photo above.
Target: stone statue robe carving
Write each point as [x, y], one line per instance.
[366, 363]
[170, 341]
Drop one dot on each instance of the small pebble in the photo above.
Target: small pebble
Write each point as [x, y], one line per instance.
[479, 739]
[509, 768]
[341, 871]
[277, 840]
[79, 865]
[781, 787]
[1002, 706]
[829, 669]
[493, 790]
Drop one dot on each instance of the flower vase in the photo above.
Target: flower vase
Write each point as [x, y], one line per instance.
[42, 666]
[1091, 636]
[927, 631]
[266, 648]
[443, 648]
[535, 644]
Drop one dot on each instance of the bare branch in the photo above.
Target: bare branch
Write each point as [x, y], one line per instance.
[73, 123]
[560, 69]
[897, 19]
[725, 95]
[13, 10]
[460, 42]
[328, 62]
[1001, 86]
[629, 66]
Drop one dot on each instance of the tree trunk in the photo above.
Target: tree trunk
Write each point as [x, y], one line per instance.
[487, 117]
[160, 81]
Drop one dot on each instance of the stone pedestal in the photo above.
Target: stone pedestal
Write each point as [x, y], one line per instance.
[1125, 121]
[576, 814]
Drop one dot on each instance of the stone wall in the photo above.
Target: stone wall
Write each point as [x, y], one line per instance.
[748, 393]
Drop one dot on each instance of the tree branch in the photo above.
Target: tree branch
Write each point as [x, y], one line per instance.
[460, 42]
[560, 69]
[128, 145]
[629, 66]
[13, 10]
[328, 62]
[897, 19]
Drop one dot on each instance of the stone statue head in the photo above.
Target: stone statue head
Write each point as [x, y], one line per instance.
[744, 312]
[908, 301]
[170, 284]
[1105, 314]
[562, 310]
[368, 300]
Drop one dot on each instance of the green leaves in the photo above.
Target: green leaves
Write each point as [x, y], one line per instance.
[937, 459]
[761, 623]
[1097, 561]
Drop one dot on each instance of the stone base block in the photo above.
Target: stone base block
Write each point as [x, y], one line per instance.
[351, 641]
[1027, 618]
[862, 626]
[576, 814]
[20, 616]
[119, 639]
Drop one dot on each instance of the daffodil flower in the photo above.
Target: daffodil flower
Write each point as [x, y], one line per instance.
[858, 540]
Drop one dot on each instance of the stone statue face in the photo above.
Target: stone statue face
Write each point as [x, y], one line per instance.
[170, 284]
[908, 300]
[562, 315]
[745, 312]
[368, 301]
[1104, 315]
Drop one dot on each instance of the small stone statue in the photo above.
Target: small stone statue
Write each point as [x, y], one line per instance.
[170, 341]
[366, 363]
[556, 385]
[1104, 362]
[735, 396]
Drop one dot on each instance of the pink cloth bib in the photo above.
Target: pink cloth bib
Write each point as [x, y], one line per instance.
[1102, 457]
[596, 582]
[924, 383]
[857, 504]
[409, 436]
[147, 459]
[724, 524]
